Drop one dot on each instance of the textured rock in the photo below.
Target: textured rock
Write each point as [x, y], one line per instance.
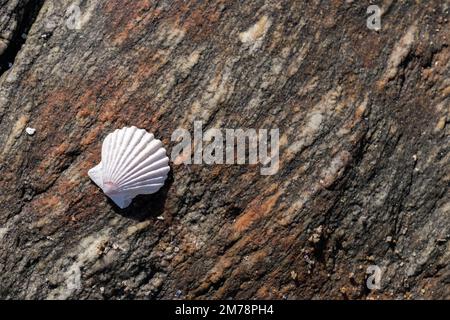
[364, 149]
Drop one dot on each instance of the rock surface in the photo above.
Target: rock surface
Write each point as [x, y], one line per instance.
[364, 166]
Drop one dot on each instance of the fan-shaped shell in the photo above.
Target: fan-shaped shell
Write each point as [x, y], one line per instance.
[133, 162]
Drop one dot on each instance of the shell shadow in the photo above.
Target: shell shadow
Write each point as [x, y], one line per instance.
[148, 206]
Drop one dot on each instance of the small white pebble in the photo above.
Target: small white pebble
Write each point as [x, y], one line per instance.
[160, 218]
[30, 131]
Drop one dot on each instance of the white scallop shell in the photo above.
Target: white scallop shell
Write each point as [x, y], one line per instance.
[133, 162]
